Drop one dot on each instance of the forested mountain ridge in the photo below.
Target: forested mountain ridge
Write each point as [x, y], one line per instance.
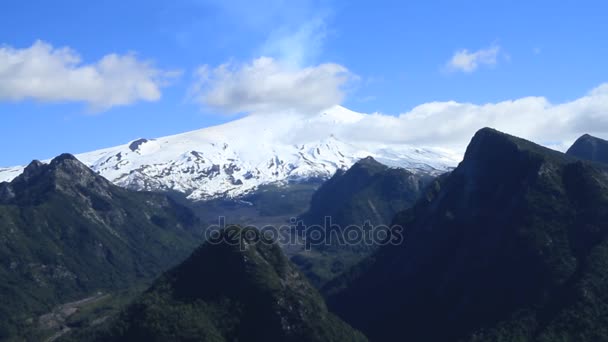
[512, 245]
[236, 287]
[66, 233]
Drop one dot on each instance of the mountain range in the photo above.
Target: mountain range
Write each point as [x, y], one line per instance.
[235, 158]
[510, 246]
[67, 233]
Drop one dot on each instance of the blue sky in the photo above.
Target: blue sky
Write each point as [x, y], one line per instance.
[386, 56]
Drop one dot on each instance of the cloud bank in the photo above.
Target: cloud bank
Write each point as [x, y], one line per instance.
[466, 61]
[452, 124]
[44, 73]
[266, 85]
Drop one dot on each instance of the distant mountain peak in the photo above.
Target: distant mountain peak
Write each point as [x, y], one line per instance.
[64, 174]
[68, 163]
[493, 146]
[591, 148]
[33, 169]
[368, 165]
[368, 191]
[34, 164]
[63, 157]
[490, 145]
[369, 160]
[485, 137]
[245, 247]
[235, 158]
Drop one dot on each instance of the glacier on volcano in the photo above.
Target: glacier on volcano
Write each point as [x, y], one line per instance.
[235, 158]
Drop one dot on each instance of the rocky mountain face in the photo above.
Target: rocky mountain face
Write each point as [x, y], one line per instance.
[236, 287]
[236, 158]
[66, 232]
[369, 193]
[512, 245]
[590, 148]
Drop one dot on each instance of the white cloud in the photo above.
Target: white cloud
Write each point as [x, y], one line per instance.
[44, 73]
[466, 61]
[452, 124]
[288, 74]
[266, 85]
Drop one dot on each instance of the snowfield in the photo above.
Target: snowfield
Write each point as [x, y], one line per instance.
[232, 159]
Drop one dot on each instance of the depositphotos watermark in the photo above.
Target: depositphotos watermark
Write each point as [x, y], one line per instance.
[296, 233]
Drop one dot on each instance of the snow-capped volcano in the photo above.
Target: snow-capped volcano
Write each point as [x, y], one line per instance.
[235, 158]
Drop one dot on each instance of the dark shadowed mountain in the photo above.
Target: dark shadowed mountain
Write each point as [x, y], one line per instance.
[369, 192]
[238, 287]
[66, 232]
[511, 246]
[590, 148]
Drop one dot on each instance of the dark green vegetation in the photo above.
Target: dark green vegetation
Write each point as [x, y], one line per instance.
[590, 148]
[511, 246]
[67, 233]
[241, 289]
[367, 192]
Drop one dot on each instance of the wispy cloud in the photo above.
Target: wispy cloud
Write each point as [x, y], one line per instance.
[45, 73]
[266, 86]
[468, 61]
[297, 46]
[286, 73]
[291, 31]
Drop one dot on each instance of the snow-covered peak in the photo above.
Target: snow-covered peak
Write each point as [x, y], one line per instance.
[235, 158]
